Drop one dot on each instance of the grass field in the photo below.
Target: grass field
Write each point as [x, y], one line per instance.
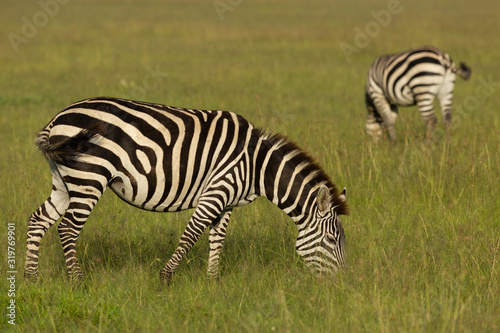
[423, 237]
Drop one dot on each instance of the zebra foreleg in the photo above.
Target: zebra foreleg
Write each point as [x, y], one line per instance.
[388, 116]
[373, 127]
[41, 220]
[390, 125]
[205, 213]
[216, 239]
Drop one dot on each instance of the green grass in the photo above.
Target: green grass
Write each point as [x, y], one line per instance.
[423, 238]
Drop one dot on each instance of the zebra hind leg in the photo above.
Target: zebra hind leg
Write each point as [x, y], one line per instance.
[424, 104]
[81, 204]
[216, 239]
[430, 126]
[41, 220]
[445, 100]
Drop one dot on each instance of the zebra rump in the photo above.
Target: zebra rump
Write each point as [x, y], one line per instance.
[68, 149]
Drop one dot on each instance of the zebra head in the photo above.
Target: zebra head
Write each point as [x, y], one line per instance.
[321, 240]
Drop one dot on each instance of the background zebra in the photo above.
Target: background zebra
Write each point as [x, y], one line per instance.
[163, 158]
[412, 77]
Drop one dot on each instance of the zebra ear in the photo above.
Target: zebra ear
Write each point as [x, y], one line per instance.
[323, 198]
[342, 195]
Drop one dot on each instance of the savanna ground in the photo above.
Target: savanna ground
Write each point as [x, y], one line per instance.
[423, 237]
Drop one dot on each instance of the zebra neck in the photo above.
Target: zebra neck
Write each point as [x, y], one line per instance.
[286, 176]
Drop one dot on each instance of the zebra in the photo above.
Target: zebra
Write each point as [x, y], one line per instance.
[168, 159]
[412, 77]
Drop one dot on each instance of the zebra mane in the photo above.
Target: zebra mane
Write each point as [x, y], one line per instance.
[287, 146]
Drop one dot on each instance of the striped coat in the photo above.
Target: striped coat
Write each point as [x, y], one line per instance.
[167, 159]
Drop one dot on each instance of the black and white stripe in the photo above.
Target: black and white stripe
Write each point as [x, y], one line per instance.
[163, 158]
[413, 77]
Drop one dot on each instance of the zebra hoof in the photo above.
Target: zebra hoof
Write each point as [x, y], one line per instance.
[213, 279]
[76, 277]
[166, 277]
[31, 276]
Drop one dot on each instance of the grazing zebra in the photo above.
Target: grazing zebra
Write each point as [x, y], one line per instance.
[412, 77]
[162, 158]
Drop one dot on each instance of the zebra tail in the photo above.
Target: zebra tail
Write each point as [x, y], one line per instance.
[69, 148]
[463, 71]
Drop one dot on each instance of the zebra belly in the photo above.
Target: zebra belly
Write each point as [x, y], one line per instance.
[124, 188]
[403, 96]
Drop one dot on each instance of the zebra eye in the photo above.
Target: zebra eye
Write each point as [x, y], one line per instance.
[331, 239]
